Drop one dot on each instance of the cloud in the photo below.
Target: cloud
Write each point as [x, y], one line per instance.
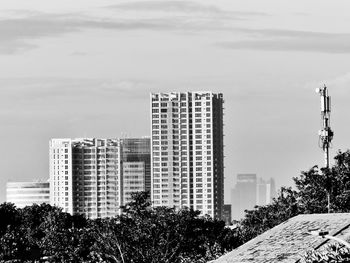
[168, 6]
[20, 27]
[184, 7]
[15, 33]
[291, 40]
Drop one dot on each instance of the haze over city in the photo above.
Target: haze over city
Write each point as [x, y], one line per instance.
[86, 69]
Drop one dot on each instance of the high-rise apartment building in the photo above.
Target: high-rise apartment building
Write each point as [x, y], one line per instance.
[88, 176]
[187, 151]
[27, 193]
[61, 179]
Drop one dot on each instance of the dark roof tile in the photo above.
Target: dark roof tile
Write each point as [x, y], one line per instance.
[287, 242]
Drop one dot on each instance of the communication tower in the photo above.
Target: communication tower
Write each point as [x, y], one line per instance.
[325, 134]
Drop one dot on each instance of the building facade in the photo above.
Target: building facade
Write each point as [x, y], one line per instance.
[136, 164]
[187, 151]
[27, 193]
[87, 175]
[61, 179]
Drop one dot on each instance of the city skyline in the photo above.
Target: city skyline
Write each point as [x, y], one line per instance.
[86, 69]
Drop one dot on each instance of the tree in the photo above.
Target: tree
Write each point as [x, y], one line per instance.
[314, 185]
[331, 253]
[309, 196]
[262, 218]
[162, 234]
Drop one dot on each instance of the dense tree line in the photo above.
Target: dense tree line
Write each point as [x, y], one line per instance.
[42, 233]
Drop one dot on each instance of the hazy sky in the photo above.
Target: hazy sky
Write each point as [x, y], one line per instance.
[85, 68]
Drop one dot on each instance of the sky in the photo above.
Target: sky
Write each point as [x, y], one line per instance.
[86, 68]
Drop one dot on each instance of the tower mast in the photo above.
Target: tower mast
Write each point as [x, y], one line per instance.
[325, 134]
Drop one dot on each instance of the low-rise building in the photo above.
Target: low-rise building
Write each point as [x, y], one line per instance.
[27, 193]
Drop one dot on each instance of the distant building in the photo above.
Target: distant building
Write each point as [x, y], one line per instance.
[187, 151]
[27, 193]
[243, 195]
[227, 214]
[265, 191]
[249, 192]
[136, 163]
[88, 176]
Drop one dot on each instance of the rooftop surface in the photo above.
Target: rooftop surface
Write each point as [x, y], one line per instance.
[288, 242]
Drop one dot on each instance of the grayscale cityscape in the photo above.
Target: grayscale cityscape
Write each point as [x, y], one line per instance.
[175, 131]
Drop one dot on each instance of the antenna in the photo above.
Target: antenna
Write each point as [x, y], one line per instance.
[326, 134]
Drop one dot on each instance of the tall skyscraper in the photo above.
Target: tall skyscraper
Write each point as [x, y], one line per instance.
[187, 151]
[88, 176]
[27, 193]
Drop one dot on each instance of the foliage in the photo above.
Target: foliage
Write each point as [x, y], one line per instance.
[332, 253]
[308, 197]
[140, 234]
[43, 233]
[262, 218]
